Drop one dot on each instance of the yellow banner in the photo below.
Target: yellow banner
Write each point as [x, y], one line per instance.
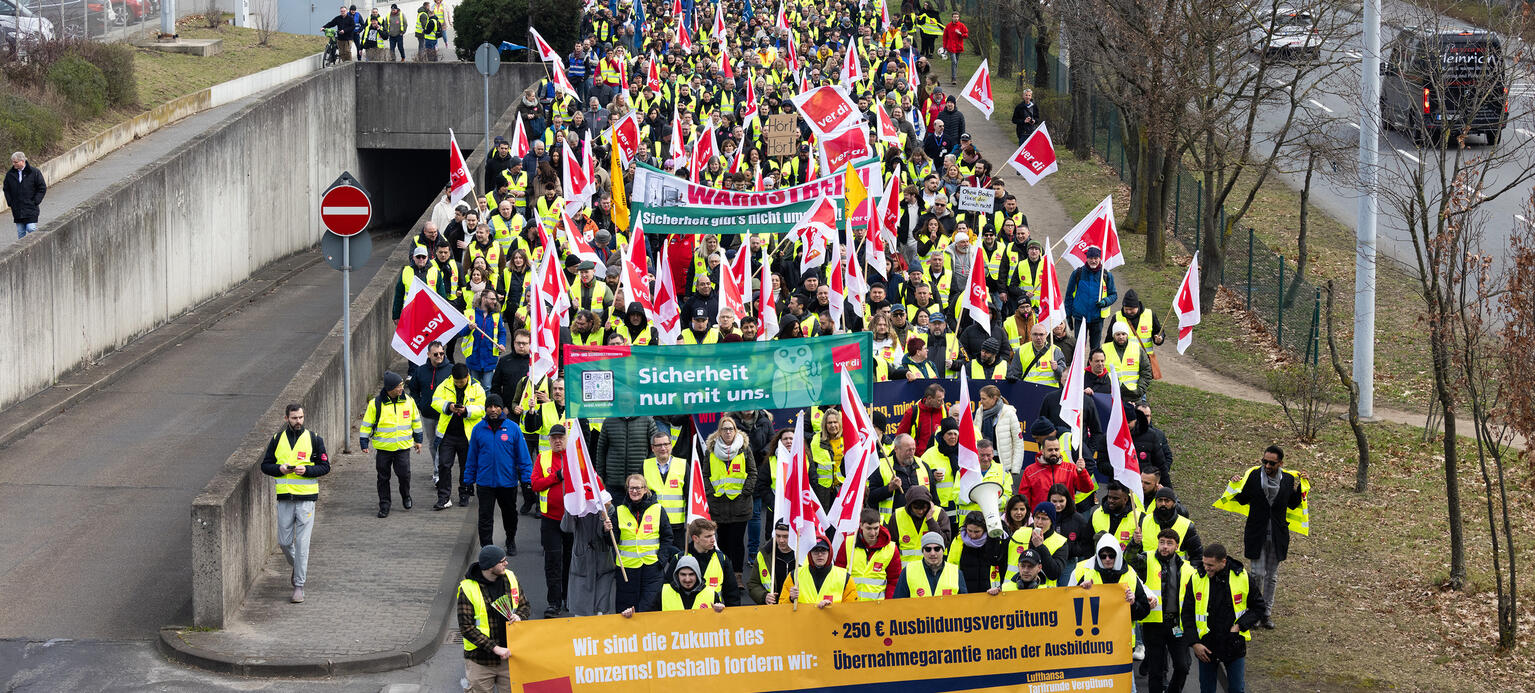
[1034, 641]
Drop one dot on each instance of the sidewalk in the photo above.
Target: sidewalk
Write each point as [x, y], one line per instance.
[1047, 217]
[379, 590]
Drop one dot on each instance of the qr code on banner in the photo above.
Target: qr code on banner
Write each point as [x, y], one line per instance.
[597, 386]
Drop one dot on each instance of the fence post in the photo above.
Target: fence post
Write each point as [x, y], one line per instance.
[1249, 268]
[1177, 201]
[1279, 305]
[1316, 328]
[1199, 211]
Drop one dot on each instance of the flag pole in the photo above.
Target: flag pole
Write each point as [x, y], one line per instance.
[614, 537]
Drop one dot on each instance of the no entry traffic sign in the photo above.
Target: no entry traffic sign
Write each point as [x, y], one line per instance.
[345, 209]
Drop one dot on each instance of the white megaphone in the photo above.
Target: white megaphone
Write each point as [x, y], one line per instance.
[988, 495]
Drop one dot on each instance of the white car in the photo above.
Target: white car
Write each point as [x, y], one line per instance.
[1295, 34]
[21, 23]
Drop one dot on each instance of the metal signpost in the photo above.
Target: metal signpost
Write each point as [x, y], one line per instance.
[487, 59]
[344, 211]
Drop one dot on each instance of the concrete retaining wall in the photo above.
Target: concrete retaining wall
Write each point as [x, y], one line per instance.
[233, 523]
[179, 231]
[441, 96]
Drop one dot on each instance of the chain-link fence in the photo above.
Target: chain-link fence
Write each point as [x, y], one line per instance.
[1288, 307]
[79, 19]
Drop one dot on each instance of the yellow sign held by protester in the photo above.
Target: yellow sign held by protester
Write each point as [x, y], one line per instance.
[1034, 641]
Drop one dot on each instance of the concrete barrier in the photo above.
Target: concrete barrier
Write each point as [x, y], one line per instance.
[233, 522]
[92, 150]
[177, 232]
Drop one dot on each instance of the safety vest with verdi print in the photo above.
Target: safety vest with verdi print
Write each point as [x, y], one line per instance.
[300, 454]
[1150, 529]
[908, 537]
[1126, 361]
[1030, 275]
[1239, 584]
[473, 401]
[826, 467]
[639, 538]
[947, 490]
[471, 589]
[981, 371]
[714, 572]
[1299, 519]
[516, 184]
[729, 479]
[1020, 541]
[867, 570]
[956, 551]
[545, 468]
[1041, 370]
[669, 487]
[1140, 329]
[886, 473]
[833, 586]
[466, 345]
[1154, 583]
[672, 601]
[1123, 532]
[391, 426]
[503, 229]
[917, 583]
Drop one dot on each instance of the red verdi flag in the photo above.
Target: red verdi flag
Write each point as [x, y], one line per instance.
[698, 503]
[828, 110]
[1095, 230]
[1035, 158]
[425, 317]
[459, 181]
[545, 51]
[838, 151]
[978, 90]
[1186, 304]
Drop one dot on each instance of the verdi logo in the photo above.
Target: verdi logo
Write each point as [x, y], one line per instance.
[827, 101]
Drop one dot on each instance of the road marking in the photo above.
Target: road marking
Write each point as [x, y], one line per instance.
[1415, 159]
[1524, 132]
[344, 210]
[1318, 104]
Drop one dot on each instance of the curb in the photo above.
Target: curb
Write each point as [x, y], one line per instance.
[30, 413]
[420, 649]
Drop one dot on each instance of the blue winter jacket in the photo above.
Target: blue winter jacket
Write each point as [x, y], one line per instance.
[1082, 293]
[498, 455]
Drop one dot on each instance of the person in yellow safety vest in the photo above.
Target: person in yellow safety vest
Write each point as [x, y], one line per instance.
[419, 262]
[297, 458]
[871, 559]
[1218, 609]
[460, 403]
[442, 273]
[819, 582]
[1027, 573]
[548, 477]
[431, 30]
[1125, 357]
[944, 346]
[826, 458]
[932, 576]
[730, 482]
[1117, 516]
[1052, 548]
[1037, 361]
[1163, 513]
[1165, 573]
[979, 556]
[1030, 274]
[991, 471]
[1108, 567]
[1274, 501]
[667, 477]
[715, 569]
[942, 459]
[686, 592]
[505, 224]
[899, 469]
[641, 530]
[516, 184]
[927, 24]
[1144, 327]
[586, 293]
[636, 327]
[549, 207]
[698, 331]
[775, 564]
[483, 618]
[390, 424]
[987, 365]
[909, 523]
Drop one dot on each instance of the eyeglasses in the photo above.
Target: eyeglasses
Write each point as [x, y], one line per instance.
[637, 488]
[932, 549]
[727, 428]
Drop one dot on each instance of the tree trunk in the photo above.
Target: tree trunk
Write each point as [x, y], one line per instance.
[1080, 137]
[1442, 366]
[1212, 245]
[1133, 139]
[1161, 168]
[1300, 239]
[1007, 46]
[1361, 442]
[1042, 62]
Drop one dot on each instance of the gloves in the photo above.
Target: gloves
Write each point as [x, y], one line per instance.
[1104, 303]
[363, 443]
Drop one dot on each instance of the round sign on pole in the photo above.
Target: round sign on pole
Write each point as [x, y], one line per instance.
[487, 59]
[345, 210]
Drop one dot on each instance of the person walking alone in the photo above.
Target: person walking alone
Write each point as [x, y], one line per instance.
[298, 459]
[24, 191]
[498, 464]
[954, 35]
[390, 425]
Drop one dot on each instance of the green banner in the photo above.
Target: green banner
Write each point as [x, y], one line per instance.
[725, 220]
[603, 381]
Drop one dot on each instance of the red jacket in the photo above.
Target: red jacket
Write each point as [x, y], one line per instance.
[553, 483]
[954, 36]
[921, 423]
[1039, 477]
[892, 570]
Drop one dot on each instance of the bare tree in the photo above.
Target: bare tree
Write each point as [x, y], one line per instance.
[1361, 442]
[265, 19]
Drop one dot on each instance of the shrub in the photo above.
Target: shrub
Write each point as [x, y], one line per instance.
[115, 60]
[494, 21]
[25, 126]
[82, 85]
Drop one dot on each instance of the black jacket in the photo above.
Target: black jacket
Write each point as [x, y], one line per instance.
[321, 466]
[1263, 517]
[423, 381]
[1224, 644]
[346, 28]
[1021, 115]
[506, 380]
[622, 448]
[24, 193]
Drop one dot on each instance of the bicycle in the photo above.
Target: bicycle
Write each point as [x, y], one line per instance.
[332, 51]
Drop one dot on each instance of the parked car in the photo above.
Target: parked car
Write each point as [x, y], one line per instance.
[1294, 34]
[1433, 81]
[72, 18]
[22, 24]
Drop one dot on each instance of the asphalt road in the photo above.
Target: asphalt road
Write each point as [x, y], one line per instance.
[1330, 108]
[94, 505]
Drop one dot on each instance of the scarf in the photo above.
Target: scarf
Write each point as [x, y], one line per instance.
[728, 452]
[989, 421]
[972, 543]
